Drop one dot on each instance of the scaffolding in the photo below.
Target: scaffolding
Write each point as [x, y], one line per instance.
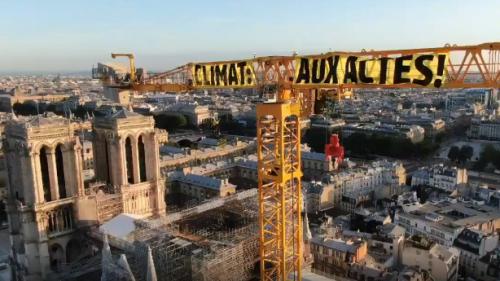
[171, 255]
[201, 208]
[203, 243]
[233, 261]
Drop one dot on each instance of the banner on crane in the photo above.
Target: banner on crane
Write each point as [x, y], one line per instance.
[237, 74]
[421, 70]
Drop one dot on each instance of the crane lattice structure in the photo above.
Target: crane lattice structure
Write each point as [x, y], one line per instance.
[278, 127]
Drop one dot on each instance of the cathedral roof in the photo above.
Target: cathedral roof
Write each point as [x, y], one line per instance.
[123, 113]
[123, 118]
[41, 120]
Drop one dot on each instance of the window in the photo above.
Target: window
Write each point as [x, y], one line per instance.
[44, 167]
[142, 159]
[107, 176]
[129, 161]
[60, 172]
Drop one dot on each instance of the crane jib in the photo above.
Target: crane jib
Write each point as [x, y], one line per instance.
[424, 70]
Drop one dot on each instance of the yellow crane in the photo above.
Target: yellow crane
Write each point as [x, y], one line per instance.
[296, 82]
[131, 59]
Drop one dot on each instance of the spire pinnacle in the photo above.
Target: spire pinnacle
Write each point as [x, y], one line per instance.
[151, 274]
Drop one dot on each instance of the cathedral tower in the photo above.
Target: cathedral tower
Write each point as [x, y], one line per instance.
[126, 156]
[43, 160]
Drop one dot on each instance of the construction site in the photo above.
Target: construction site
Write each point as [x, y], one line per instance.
[204, 243]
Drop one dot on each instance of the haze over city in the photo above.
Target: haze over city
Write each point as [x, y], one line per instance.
[62, 36]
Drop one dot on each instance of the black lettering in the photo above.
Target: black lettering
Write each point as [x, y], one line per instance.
[241, 66]
[440, 71]
[221, 75]
[350, 70]
[383, 70]
[424, 69]
[362, 73]
[197, 68]
[303, 76]
[249, 76]
[205, 80]
[315, 77]
[212, 76]
[331, 76]
[233, 77]
[400, 68]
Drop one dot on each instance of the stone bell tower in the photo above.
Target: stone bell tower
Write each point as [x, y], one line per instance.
[43, 160]
[126, 156]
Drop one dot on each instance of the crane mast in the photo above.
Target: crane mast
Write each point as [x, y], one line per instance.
[298, 81]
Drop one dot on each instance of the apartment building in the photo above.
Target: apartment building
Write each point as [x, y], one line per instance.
[485, 130]
[442, 222]
[440, 176]
[334, 256]
[473, 245]
[440, 261]
[359, 184]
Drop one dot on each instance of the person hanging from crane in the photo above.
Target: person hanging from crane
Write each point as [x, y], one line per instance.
[334, 151]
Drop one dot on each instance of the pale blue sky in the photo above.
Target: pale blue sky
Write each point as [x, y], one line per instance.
[55, 35]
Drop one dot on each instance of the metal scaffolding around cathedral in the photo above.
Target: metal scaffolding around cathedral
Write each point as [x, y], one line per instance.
[203, 246]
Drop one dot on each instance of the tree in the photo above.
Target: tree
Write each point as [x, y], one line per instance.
[186, 143]
[316, 138]
[170, 121]
[52, 107]
[226, 123]
[461, 125]
[82, 113]
[489, 155]
[466, 152]
[26, 108]
[440, 137]
[208, 124]
[454, 153]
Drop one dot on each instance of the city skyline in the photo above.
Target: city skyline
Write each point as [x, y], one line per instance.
[313, 140]
[62, 37]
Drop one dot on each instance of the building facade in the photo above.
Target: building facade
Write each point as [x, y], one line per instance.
[334, 256]
[43, 159]
[414, 133]
[473, 246]
[440, 176]
[202, 187]
[485, 130]
[378, 179]
[126, 156]
[442, 222]
[441, 262]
